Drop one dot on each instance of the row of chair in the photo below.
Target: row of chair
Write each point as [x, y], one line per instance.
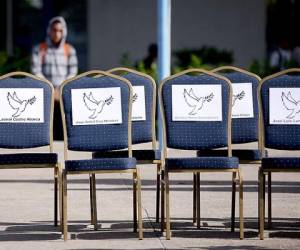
[196, 107]
[27, 121]
[273, 123]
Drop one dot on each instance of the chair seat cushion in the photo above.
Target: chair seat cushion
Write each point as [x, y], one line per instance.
[242, 154]
[28, 158]
[280, 162]
[140, 155]
[100, 164]
[202, 163]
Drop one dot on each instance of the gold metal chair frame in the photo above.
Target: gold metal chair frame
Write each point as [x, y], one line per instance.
[236, 173]
[262, 173]
[137, 207]
[235, 69]
[217, 71]
[119, 71]
[57, 166]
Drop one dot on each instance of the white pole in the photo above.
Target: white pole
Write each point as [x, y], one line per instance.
[164, 49]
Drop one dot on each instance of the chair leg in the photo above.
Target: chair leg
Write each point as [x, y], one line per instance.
[60, 181]
[95, 220]
[65, 198]
[162, 206]
[261, 202]
[198, 198]
[55, 195]
[194, 197]
[241, 204]
[264, 193]
[134, 202]
[167, 190]
[91, 199]
[269, 200]
[233, 201]
[158, 191]
[139, 205]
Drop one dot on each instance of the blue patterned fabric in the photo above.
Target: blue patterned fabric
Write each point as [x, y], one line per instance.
[280, 162]
[195, 135]
[202, 163]
[28, 158]
[242, 154]
[245, 129]
[285, 137]
[140, 155]
[96, 137]
[100, 164]
[26, 135]
[142, 130]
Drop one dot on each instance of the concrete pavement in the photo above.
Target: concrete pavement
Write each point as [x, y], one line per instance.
[26, 211]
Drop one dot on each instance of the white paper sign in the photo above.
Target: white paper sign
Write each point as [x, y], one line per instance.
[284, 106]
[242, 100]
[21, 105]
[196, 103]
[96, 106]
[138, 104]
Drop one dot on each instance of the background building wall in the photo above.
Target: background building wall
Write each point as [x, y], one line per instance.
[118, 26]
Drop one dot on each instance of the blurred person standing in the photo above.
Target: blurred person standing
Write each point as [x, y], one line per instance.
[151, 58]
[296, 54]
[281, 57]
[55, 60]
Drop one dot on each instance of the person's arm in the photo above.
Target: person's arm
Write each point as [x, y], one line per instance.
[36, 64]
[73, 63]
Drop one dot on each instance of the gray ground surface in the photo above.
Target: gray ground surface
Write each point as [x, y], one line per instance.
[26, 212]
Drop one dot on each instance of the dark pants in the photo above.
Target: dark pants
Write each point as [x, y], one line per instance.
[58, 134]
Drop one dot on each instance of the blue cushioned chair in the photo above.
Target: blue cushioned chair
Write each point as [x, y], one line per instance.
[244, 130]
[143, 131]
[98, 135]
[277, 135]
[21, 127]
[197, 135]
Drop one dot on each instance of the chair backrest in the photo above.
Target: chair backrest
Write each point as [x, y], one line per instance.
[244, 103]
[26, 114]
[196, 110]
[96, 112]
[279, 106]
[143, 106]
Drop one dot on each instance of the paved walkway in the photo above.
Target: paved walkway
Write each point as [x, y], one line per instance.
[26, 212]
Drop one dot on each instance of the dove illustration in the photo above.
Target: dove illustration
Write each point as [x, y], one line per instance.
[238, 96]
[134, 97]
[18, 104]
[195, 102]
[290, 104]
[96, 106]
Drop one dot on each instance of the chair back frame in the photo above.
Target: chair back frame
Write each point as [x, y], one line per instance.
[201, 71]
[21, 73]
[95, 73]
[261, 121]
[119, 71]
[239, 70]
[235, 69]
